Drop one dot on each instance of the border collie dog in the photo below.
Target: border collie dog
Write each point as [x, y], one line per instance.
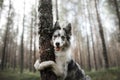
[65, 67]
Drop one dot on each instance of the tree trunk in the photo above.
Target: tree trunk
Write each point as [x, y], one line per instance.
[118, 15]
[34, 54]
[93, 49]
[57, 18]
[22, 45]
[4, 48]
[105, 56]
[30, 56]
[45, 32]
[91, 30]
[117, 12]
[1, 7]
[35, 33]
[88, 49]
[79, 50]
[14, 56]
[22, 52]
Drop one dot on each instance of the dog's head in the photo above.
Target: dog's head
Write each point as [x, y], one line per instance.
[61, 37]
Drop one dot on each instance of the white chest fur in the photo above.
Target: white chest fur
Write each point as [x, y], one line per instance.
[62, 59]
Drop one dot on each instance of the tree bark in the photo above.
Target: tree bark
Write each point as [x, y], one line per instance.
[88, 49]
[45, 32]
[22, 44]
[1, 7]
[4, 48]
[34, 54]
[35, 33]
[31, 36]
[117, 12]
[93, 45]
[57, 18]
[105, 56]
[118, 15]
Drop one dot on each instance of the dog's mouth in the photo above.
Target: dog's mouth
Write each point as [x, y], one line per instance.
[57, 48]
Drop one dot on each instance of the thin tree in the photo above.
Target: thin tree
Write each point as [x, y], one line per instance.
[118, 15]
[105, 56]
[1, 6]
[15, 48]
[45, 32]
[117, 11]
[93, 48]
[35, 33]
[31, 36]
[22, 44]
[80, 43]
[57, 17]
[1, 3]
[16, 45]
[88, 49]
[91, 30]
[34, 53]
[6, 34]
[92, 36]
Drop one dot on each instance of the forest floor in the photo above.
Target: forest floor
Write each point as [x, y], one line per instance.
[109, 74]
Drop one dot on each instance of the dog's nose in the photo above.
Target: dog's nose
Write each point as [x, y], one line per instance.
[57, 44]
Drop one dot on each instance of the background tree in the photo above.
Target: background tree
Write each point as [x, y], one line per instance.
[117, 11]
[102, 37]
[6, 36]
[31, 42]
[22, 44]
[1, 6]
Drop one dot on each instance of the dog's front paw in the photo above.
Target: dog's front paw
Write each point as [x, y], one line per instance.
[36, 65]
[43, 65]
[50, 63]
[46, 64]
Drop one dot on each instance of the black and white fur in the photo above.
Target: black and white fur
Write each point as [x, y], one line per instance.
[64, 67]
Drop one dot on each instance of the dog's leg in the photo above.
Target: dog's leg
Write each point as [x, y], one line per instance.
[43, 65]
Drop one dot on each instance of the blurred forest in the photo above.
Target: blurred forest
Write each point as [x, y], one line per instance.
[95, 27]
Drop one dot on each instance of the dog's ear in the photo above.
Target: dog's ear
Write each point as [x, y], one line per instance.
[68, 29]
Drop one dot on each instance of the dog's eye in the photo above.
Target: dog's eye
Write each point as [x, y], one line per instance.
[63, 37]
[55, 36]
